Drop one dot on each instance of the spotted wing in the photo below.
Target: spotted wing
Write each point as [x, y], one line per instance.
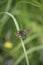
[27, 31]
[18, 35]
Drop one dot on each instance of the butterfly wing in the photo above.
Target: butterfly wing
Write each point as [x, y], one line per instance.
[18, 34]
[27, 31]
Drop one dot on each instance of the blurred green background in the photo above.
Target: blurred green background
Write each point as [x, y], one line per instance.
[29, 15]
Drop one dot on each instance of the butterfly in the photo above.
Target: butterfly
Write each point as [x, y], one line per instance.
[22, 33]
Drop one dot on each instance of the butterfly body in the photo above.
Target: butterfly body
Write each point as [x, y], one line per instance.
[22, 33]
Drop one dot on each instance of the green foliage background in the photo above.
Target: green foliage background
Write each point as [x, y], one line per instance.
[29, 15]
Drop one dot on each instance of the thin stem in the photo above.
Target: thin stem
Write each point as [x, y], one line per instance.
[29, 51]
[17, 27]
[15, 21]
[25, 52]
